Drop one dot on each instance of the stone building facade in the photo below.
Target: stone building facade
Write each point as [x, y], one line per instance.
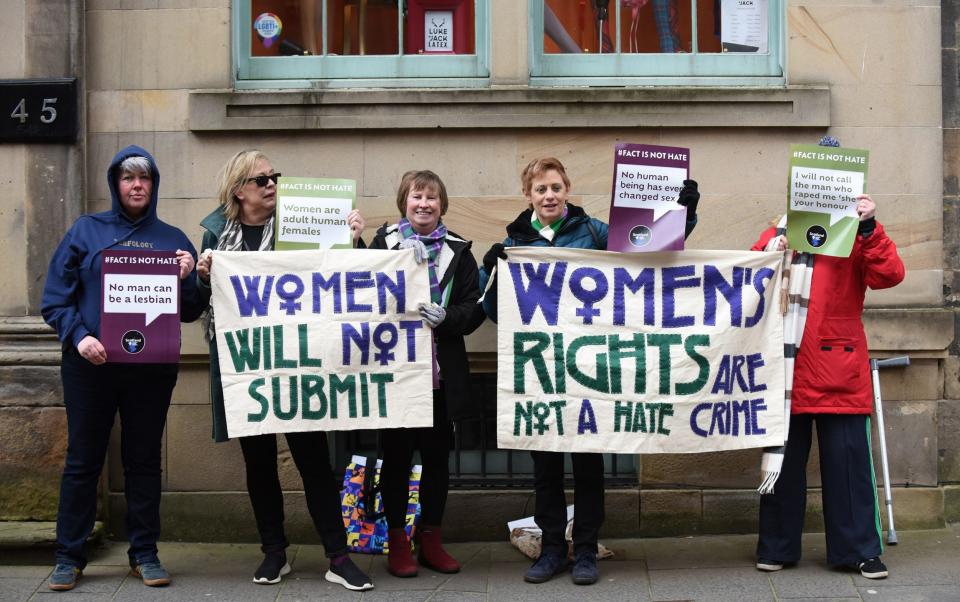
[161, 74]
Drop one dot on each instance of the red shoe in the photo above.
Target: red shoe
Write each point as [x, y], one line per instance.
[399, 560]
[432, 555]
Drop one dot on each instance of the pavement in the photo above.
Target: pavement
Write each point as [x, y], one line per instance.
[924, 566]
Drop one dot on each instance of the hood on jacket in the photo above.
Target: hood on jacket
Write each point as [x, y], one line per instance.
[116, 208]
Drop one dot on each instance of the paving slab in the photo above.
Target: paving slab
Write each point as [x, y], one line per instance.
[921, 593]
[625, 580]
[312, 590]
[810, 580]
[713, 584]
[18, 588]
[195, 586]
[921, 558]
[710, 551]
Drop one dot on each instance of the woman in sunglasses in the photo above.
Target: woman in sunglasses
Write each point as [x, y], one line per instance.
[247, 191]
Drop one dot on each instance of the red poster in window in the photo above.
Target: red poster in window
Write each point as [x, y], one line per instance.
[439, 27]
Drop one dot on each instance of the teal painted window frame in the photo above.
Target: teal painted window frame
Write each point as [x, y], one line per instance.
[464, 70]
[694, 68]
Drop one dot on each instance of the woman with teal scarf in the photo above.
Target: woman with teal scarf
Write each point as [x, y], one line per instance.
[452, 314]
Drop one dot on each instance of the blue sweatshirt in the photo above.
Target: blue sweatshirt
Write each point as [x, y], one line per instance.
[72, 292]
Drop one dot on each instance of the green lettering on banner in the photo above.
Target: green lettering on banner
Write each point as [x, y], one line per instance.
[311, 386]
[664, 342]
[305, 359]
[558, 408]
[364, 396]
[640, 418]
[665, 409]
[601, 382]
[381, 381]
[523, 414]
[346, 385]
[243, 355]
[689, 345]
[279, 361]
[267, 362]
[534, 355]
[559, 369]
[622, 411]
[619, 349]
[277, 397]
[255, 394]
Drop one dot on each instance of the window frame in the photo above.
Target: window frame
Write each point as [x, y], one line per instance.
[658, 69]
[332, 71]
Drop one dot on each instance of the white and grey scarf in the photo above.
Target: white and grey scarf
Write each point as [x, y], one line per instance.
[794, 301]
[231, 239]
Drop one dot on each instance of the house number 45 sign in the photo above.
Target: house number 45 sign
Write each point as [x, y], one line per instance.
[38, 110]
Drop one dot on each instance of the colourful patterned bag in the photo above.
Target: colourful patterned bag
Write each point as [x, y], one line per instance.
[367, 529]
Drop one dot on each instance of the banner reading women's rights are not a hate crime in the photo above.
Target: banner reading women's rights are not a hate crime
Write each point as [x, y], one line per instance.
[639, 353]
[322, 340]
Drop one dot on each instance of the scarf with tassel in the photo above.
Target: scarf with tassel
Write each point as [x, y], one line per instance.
[794, 301]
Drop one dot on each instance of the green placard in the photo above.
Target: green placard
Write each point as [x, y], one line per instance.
[822, 207]
[312, 213]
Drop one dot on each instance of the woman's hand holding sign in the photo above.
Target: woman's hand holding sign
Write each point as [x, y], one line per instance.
[185, 260]
[92, 350]
[203, 266]
[866, 207]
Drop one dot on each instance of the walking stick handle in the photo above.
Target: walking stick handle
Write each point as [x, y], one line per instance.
[893, 362]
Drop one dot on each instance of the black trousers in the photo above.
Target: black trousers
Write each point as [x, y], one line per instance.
[550, 510]
[93, 395]
[851, 514]
[312, 457]
[434, 444]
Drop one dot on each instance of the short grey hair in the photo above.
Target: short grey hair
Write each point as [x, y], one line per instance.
[136, 165]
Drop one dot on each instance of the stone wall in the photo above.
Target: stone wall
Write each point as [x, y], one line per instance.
[873, 73]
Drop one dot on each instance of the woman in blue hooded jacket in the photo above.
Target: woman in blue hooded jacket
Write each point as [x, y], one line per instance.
[551, 221]
[94, 388]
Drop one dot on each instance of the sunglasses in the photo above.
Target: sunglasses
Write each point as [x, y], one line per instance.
[263, 180]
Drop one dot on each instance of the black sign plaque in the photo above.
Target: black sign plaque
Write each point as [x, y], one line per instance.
[38, 110]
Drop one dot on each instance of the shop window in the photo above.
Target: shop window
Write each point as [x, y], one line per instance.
[353, 40]
[680, 41]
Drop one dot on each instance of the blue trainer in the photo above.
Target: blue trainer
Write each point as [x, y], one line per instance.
[64, 577]
[546, 567]
[152, 573]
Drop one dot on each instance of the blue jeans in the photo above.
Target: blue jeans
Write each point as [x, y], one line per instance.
[93, 395]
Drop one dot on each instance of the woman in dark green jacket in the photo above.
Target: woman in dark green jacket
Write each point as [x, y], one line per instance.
[247, 191]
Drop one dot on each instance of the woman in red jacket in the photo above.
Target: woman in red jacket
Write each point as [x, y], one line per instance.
[832, 386]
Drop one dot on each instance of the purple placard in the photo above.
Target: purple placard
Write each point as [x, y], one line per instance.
[646, 182]
[140, 308]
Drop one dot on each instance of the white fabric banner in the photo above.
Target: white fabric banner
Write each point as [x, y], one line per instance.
[322, 340]
[639, 352]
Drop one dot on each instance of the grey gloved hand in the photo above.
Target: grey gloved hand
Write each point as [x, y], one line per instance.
[433, 314]
[419, 249]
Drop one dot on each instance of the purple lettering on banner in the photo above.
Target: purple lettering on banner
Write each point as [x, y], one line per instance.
[249, 298]
[538, 293]
[333, 282]
[760, 284]
[755, 361]
[362, 339]
[740, 407]
[588, 420]
[384, 346]
[398, 288]
[289, 303]
[713, 281]
[694, 426]
[756, 406]
[411, 327]
[355, 281]
[588, 296]
[645, 280]
[674, 278]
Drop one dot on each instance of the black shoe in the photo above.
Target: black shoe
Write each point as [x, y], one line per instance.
[272, 569]
[873, 568]
[546, 567]
[585, 569]
[348, 575]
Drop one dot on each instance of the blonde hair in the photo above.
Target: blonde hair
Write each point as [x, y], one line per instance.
[421, 180]
[537, 168]
[233, 176]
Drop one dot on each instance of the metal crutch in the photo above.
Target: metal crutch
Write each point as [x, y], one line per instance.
[875, 366]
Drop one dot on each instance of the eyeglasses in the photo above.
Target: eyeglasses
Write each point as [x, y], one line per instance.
[263, 180]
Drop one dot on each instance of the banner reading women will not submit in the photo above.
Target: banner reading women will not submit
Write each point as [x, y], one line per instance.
[639, 353]
[322, 340]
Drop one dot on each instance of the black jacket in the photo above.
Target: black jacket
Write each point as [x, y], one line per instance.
[464, 315]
